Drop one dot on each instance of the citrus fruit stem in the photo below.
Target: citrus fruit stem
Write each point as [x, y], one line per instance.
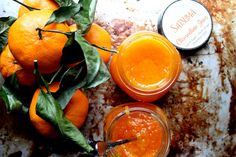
[104, 48]
[28, 7]
[39, 33]
[40, 30]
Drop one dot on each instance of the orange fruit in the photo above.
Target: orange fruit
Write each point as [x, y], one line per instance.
[8, 66]
[76, 111]
[38, 4]
[25, 77]
[99, 36]
[26, 44]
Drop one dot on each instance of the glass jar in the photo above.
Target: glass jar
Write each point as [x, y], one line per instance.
[146, 66]
[144, 121]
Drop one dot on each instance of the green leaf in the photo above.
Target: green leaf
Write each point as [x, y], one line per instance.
[65, 2]
[11, 101]
[8, 20]
[91, 56]
[72, 52]
[65, 94]
[3, 27]
[64, 13]
[49, 109]
[72, 75]
[3, 37]
[10, 94]
[71, 80]
[86, 15]
[102, 76]
[74, 78]
[5, 23]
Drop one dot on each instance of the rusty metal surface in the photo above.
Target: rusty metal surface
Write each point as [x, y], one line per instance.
[201, 106]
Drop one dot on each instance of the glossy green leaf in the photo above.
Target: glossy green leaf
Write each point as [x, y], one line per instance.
[9, 20]
[86, 15]
[92, 73]
[5, 23]
[65, 94]
[72, 52]
[72, 75]
[65, 2]
[102, 76]
[10, 94]
[91, 56]
[71, 80]
[11, 101]
[49, 109]
[64, 13]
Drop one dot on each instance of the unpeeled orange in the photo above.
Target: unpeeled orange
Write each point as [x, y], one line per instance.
[9, 66]
[27, 43]
[38, 4]
[99, 36]
[76, 111]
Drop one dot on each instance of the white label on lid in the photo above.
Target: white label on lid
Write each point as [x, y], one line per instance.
[187, 24]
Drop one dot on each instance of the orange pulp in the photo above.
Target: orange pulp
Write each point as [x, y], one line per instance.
[145, 121]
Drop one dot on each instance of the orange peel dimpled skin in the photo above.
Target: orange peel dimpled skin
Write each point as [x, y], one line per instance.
[27, 43]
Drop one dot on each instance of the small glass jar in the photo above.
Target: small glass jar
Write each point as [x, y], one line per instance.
[144, 121]
[146, 66]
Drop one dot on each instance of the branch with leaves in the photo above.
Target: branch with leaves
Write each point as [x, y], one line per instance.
[90, 71]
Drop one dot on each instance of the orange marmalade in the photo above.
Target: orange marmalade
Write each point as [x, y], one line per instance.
[146, 122]
[146, 66]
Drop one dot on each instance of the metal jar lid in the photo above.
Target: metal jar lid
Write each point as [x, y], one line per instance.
[187, 24]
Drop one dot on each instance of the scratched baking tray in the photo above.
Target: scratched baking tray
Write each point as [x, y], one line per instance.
[201, 107]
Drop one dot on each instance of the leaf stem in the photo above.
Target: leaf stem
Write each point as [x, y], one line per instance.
[28, 7]
[104, 48]
[40, 77]
[40, 30]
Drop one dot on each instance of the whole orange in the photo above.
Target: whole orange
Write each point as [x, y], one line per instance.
[28, 44]
[38, 4]
[9, 66]
[76, 111]
[99, 36]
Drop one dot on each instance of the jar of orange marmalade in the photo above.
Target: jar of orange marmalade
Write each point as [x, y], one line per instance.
[146, 66]
[146, 122]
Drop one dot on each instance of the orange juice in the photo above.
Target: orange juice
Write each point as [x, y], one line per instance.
[145, 121]
[146, 66]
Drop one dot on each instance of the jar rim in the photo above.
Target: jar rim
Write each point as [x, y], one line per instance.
[164, 150]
